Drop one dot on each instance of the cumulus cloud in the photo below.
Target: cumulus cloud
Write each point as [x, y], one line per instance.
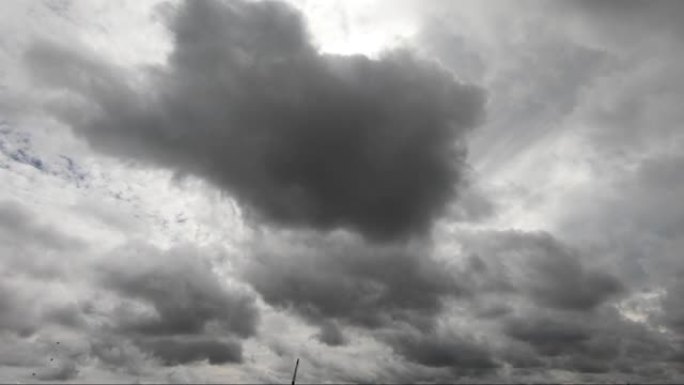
[394, 293]
[402, 295]
[540, 267]
[186, 295]
[128, 308]
[461, 355]
[339, 277]
[300, 138]
[174, 351]
[174, 307]
[604, 344]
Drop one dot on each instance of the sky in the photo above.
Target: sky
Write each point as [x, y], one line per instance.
[391, 191]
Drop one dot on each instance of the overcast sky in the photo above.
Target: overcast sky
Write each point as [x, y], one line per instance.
[391, 191]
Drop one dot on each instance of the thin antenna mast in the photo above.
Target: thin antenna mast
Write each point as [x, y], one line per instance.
[294, 376]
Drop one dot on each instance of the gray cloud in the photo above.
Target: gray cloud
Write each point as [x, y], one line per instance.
[14, 314]
[193, 312]
[549, 336]
[627, 22]
[128, 308]
[63, 372]
[186, 295]
[395, 292]
[633, 107]
[19, 228]
[619, 108]
[300, 138]
[175, 351]
[399, 295]
[534, 81]
[673, 313]
[462, 356]
[28, 250]
[332, 335]
[538, 266]
[553, 307]
[118, 354]
[604, 344]
[632, 120]
[338, 277]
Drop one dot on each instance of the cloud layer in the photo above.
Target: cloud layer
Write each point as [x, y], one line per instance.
[122, 307]
[196, 192]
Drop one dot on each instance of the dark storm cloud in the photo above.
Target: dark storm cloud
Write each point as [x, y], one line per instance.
[193, 312]
[338, 277]
[331, 334]
[300, 138]
[539, 267]
[604, 343]
[396, 292]
[549, 336]
[439, 351]
[399, 294]
[186, 295]
[175, 351]
[565, 284]
[117, 353]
